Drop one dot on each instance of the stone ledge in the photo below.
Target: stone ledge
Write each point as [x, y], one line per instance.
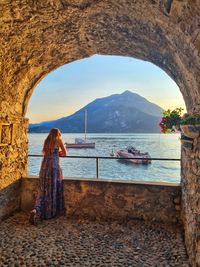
[119, 181]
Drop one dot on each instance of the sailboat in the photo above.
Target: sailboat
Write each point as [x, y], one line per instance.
[79, 142]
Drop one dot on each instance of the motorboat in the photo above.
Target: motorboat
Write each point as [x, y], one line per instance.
[79, 142]
[132, 155]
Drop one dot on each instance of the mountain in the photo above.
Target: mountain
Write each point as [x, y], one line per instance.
[119, 113]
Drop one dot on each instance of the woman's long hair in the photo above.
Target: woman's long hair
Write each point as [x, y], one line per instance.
[51, 140]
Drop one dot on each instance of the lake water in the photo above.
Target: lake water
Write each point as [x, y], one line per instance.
[158, 145]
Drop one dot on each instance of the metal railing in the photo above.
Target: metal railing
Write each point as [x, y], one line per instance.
[101, 157]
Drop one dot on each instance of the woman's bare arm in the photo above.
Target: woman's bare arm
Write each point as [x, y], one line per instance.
[63, 151]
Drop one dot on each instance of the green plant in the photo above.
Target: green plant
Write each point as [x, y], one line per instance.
[170, 118]
[190, 119]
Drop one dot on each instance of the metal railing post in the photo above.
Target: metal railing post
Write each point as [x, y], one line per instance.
[97, 167]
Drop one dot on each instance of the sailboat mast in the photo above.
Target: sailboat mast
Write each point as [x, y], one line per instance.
[85, 123]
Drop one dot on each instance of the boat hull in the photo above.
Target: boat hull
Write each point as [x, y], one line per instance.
[84, 145]
[140, 159]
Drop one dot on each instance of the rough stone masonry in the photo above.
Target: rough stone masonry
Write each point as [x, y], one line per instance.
[39, 36]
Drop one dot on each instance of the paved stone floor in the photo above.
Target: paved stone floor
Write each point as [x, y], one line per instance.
[64, 242]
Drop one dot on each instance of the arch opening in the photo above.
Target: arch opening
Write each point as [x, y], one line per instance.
[135, 76]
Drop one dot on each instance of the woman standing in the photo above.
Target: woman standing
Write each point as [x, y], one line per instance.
[50, 197]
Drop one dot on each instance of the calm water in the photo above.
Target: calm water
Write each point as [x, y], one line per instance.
[158, 145]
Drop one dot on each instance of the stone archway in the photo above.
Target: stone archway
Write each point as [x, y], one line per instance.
[38, 37]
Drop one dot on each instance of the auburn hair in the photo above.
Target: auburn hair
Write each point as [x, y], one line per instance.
[51, 140]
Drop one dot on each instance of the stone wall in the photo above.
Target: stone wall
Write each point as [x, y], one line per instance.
[13, 162]
[40, 36]
[10, 199]
[116, 200]
[191, 200]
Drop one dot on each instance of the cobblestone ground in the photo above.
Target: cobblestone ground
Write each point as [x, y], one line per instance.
[63, 242]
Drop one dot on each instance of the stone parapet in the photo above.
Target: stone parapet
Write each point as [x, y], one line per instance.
[113, 200]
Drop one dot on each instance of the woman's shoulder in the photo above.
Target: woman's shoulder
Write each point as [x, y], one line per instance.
[59, 141]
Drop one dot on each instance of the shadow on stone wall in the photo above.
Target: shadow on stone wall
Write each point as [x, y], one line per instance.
[10, 198]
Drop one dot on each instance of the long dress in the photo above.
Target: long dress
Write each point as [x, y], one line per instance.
[50, 197]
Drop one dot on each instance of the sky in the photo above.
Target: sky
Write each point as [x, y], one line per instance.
[74, 85]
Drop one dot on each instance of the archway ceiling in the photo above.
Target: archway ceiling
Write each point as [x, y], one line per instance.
[38, 37]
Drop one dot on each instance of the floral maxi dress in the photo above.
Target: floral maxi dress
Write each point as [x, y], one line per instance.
[50, 197]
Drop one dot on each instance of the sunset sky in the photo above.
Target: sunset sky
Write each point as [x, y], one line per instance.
[72, 86]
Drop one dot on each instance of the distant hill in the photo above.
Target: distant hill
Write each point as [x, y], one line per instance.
[119, 113]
